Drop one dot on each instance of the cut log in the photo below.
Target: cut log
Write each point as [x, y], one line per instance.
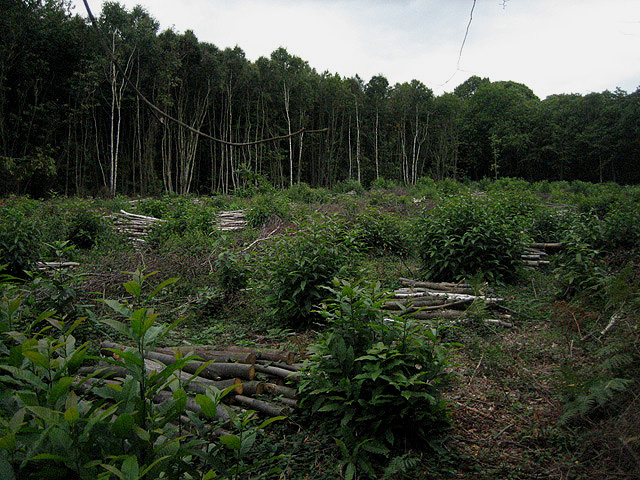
[446, 314]
[440, 286]
[143, 217]
[260, 405]
[213, 371]
[206, 354]
[289, 402]
[278, 372]
[281, 390]
[451, 296]
[549, 247]
[252, 388]
[261, 354]
[285, 366]
[194, 383]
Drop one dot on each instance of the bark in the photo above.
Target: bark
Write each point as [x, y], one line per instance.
[262, 406]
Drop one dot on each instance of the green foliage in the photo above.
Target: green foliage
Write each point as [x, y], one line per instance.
[469, 234]
[579, 270]
[550, 225]
[299, 267]
[382, 183]
[346, 186]
[303, 193]
[265, 207]
[20, 242]
[621, 227]
[52, 426]
[372, 383]
[381, 233]
[85, 227]
[232, 274]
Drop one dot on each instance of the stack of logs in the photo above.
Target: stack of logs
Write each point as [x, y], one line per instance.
[450, 301]
[231, 220]
[135, 227]
[41, 266]
[535, 255]
[257, 376]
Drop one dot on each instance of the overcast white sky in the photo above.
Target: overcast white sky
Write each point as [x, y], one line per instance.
[552, 46]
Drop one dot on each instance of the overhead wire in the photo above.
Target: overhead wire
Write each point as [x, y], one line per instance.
[464, 41]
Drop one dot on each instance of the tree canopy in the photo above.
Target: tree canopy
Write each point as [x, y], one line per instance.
[71, 122]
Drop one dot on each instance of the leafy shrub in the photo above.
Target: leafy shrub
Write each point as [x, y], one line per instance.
[549, 225]
[265, 207]
[85, 226]
[54, 427]
[346, 186]
[20, 242]
[301, 192]
[231, 274]
[381, 233]
[508, 184]
[374, 384]
[449, 186]
[426, 187]
[579, 270]
[600, 204]
[301, 266]
[467, 235]
[621, 227]
[382, 183]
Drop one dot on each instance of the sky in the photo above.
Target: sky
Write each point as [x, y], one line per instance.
[552, 46]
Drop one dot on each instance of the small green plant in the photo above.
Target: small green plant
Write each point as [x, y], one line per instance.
[375, 384]
[265, 207]
[467, 235]
[54, 425]
[381, 233]
[20, 243]
[85, 226]
[347, 186]
[232, 274]
[300, 267]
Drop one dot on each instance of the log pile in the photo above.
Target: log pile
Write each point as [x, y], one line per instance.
[41, 266]
[135, 227]
[536, 254]
[231, 220]
[449, 301]
[257, 377]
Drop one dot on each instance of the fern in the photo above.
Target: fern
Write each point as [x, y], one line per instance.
[600, 395]
[618, 361]
[399, 466]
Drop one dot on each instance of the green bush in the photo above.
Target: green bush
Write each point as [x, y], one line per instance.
[231, 274]
[621, 227]
[381, 233]
[54, 427]
[303, 193]
[468, 235]
[20, 242]
[509, 184]
[85, 227]
[375, 385]
[265, 207]
[346, 186]
[300, 267]
[382, 183]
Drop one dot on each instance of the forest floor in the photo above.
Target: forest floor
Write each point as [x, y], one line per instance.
[509, 386]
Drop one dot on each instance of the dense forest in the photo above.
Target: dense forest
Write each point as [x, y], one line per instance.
[71, 122]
